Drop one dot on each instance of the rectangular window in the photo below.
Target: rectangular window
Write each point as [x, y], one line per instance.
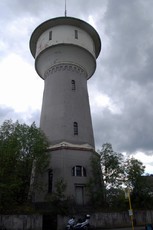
[78, 171]
[75, 126]
[76, 34]
[50, 180]
[73, 85]
[50, 35]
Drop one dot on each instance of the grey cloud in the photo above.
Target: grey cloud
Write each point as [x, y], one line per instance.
[125, 74]
[8, 113]
[130, 131]
[5, 113]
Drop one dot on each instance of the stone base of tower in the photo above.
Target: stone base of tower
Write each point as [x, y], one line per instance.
[70, 171]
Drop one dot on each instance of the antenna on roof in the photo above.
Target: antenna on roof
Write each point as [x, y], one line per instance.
[65, 9]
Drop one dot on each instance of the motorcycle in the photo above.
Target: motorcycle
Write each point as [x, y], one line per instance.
[81, 224]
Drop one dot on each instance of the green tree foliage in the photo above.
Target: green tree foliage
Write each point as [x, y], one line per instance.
[118, 172]
[59, 203]
[95, 186]
[20, 146]
[133, 170]
[141, 185]
[112, 171]
[116, 199]
[112, 166]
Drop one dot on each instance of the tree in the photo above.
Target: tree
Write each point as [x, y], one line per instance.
[134, 169]
[20, 146]
[116, 198]
[138, 182]
[112, 166]
[118, 172]
[112, 171]
[95, 186]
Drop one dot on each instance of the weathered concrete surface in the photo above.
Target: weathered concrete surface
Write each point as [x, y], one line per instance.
[100, 221]
[21, 222]
[116, 220]
[130, 228]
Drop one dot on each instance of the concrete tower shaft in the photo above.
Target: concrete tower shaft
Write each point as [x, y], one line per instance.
[65, 51]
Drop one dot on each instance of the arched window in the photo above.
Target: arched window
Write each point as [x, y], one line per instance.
[73, 85]
[75, 126]
[50, 180]
[79, 171]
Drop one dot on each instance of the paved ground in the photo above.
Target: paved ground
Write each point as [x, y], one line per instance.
[126, 228]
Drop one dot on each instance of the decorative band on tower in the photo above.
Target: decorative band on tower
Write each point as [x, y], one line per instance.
[63, 67]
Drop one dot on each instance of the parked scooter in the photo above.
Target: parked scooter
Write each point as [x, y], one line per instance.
[81, 224]
[70, 223]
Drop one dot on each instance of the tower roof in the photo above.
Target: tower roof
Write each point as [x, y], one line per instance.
[65, 21]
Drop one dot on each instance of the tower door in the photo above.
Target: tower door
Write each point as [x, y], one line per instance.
[79, 194]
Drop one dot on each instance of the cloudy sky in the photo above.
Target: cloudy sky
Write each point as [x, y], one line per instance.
[121, 90]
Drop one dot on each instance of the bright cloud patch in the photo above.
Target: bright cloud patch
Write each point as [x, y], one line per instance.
[20, 88]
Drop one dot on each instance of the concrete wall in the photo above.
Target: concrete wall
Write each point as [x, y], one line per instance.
[98, 220]
[21, 222]
[113, 220]
[62, 161]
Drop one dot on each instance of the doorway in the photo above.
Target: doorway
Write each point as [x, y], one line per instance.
[79, 194]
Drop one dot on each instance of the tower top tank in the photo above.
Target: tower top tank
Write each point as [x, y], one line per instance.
[66, 21]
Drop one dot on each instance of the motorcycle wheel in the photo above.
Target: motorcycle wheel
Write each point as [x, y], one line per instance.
[85, 228]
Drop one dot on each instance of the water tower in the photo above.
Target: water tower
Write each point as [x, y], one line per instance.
[65, 51]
